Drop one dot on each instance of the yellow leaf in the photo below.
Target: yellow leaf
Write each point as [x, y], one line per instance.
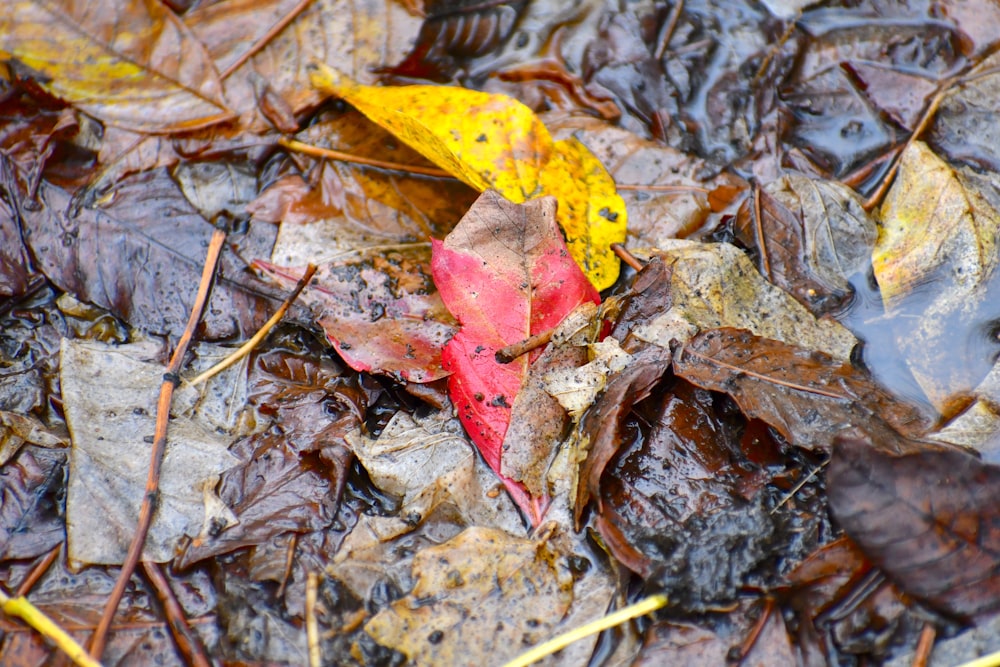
[134, 65]
[493, 141]
[933, 227]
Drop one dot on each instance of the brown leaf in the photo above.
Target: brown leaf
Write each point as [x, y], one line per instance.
[30, 520]
[274, 492]
[485, 596]
[805, 395]
[927, 519]
[141, 258]
[602, 423]
[380, 311]
[811, 237]
[682, 506]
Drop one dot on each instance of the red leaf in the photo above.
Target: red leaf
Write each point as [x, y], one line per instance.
[505, 273]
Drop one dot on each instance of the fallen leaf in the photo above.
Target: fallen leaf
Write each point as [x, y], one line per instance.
[810, 238]
[17, 429]
[538, 422]
[805, 395]
[673, 506]
[134, 65]
[271, 492]
[715, 285]
[452, 33]
[379, 311]
[141, 258]
[936, 263]
[110, 394]
[601, 425]
[492, 141]
[505, 274]
[934, 227]
[677, 199]
[361, 36]
[833, 597]
[485, 596]
[963, 130]
[346, 207]
[428, 463]
[926, 519]
[31, 522]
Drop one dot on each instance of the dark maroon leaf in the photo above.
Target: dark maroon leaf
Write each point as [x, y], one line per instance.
[275, 492]
[458, 30]
[604, 420]
[901, 94]
[31, 520]
[928, 520]
[141, 257]
[806, 396]
[810, 237]
[16, 270]
[673, 507]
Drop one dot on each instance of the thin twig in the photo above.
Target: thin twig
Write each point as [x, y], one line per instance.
[758, 226]
[255, 340]
[922, 654]
[627, 257]
[188, 642]
[661, 188]
[667, 31]
[37, 572]
[312, 628]
[329, 154]
[802, 482]
[30, 614]
[289, 563]
[757, 629]
[505, 355]
[640, 608]
[925, 121]
[266, 38]
[148, 506]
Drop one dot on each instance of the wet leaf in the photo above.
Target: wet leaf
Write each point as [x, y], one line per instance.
[841, 603]
[933, 228]
[538, 422]
[110, 395]
[455, 31]
[135, 65]
[141, 258]
[361, 36]
[485, 596]
[30, 519]
[674, 507]
[272, 492]
[936, 263]
[492, 141]
[805, 395]
[963, 130]
[380, 312]
[654, 214]
[602, 423]
[811, 237]
[715, 285]
[428, 463]
[926, 519]
[505, 274]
